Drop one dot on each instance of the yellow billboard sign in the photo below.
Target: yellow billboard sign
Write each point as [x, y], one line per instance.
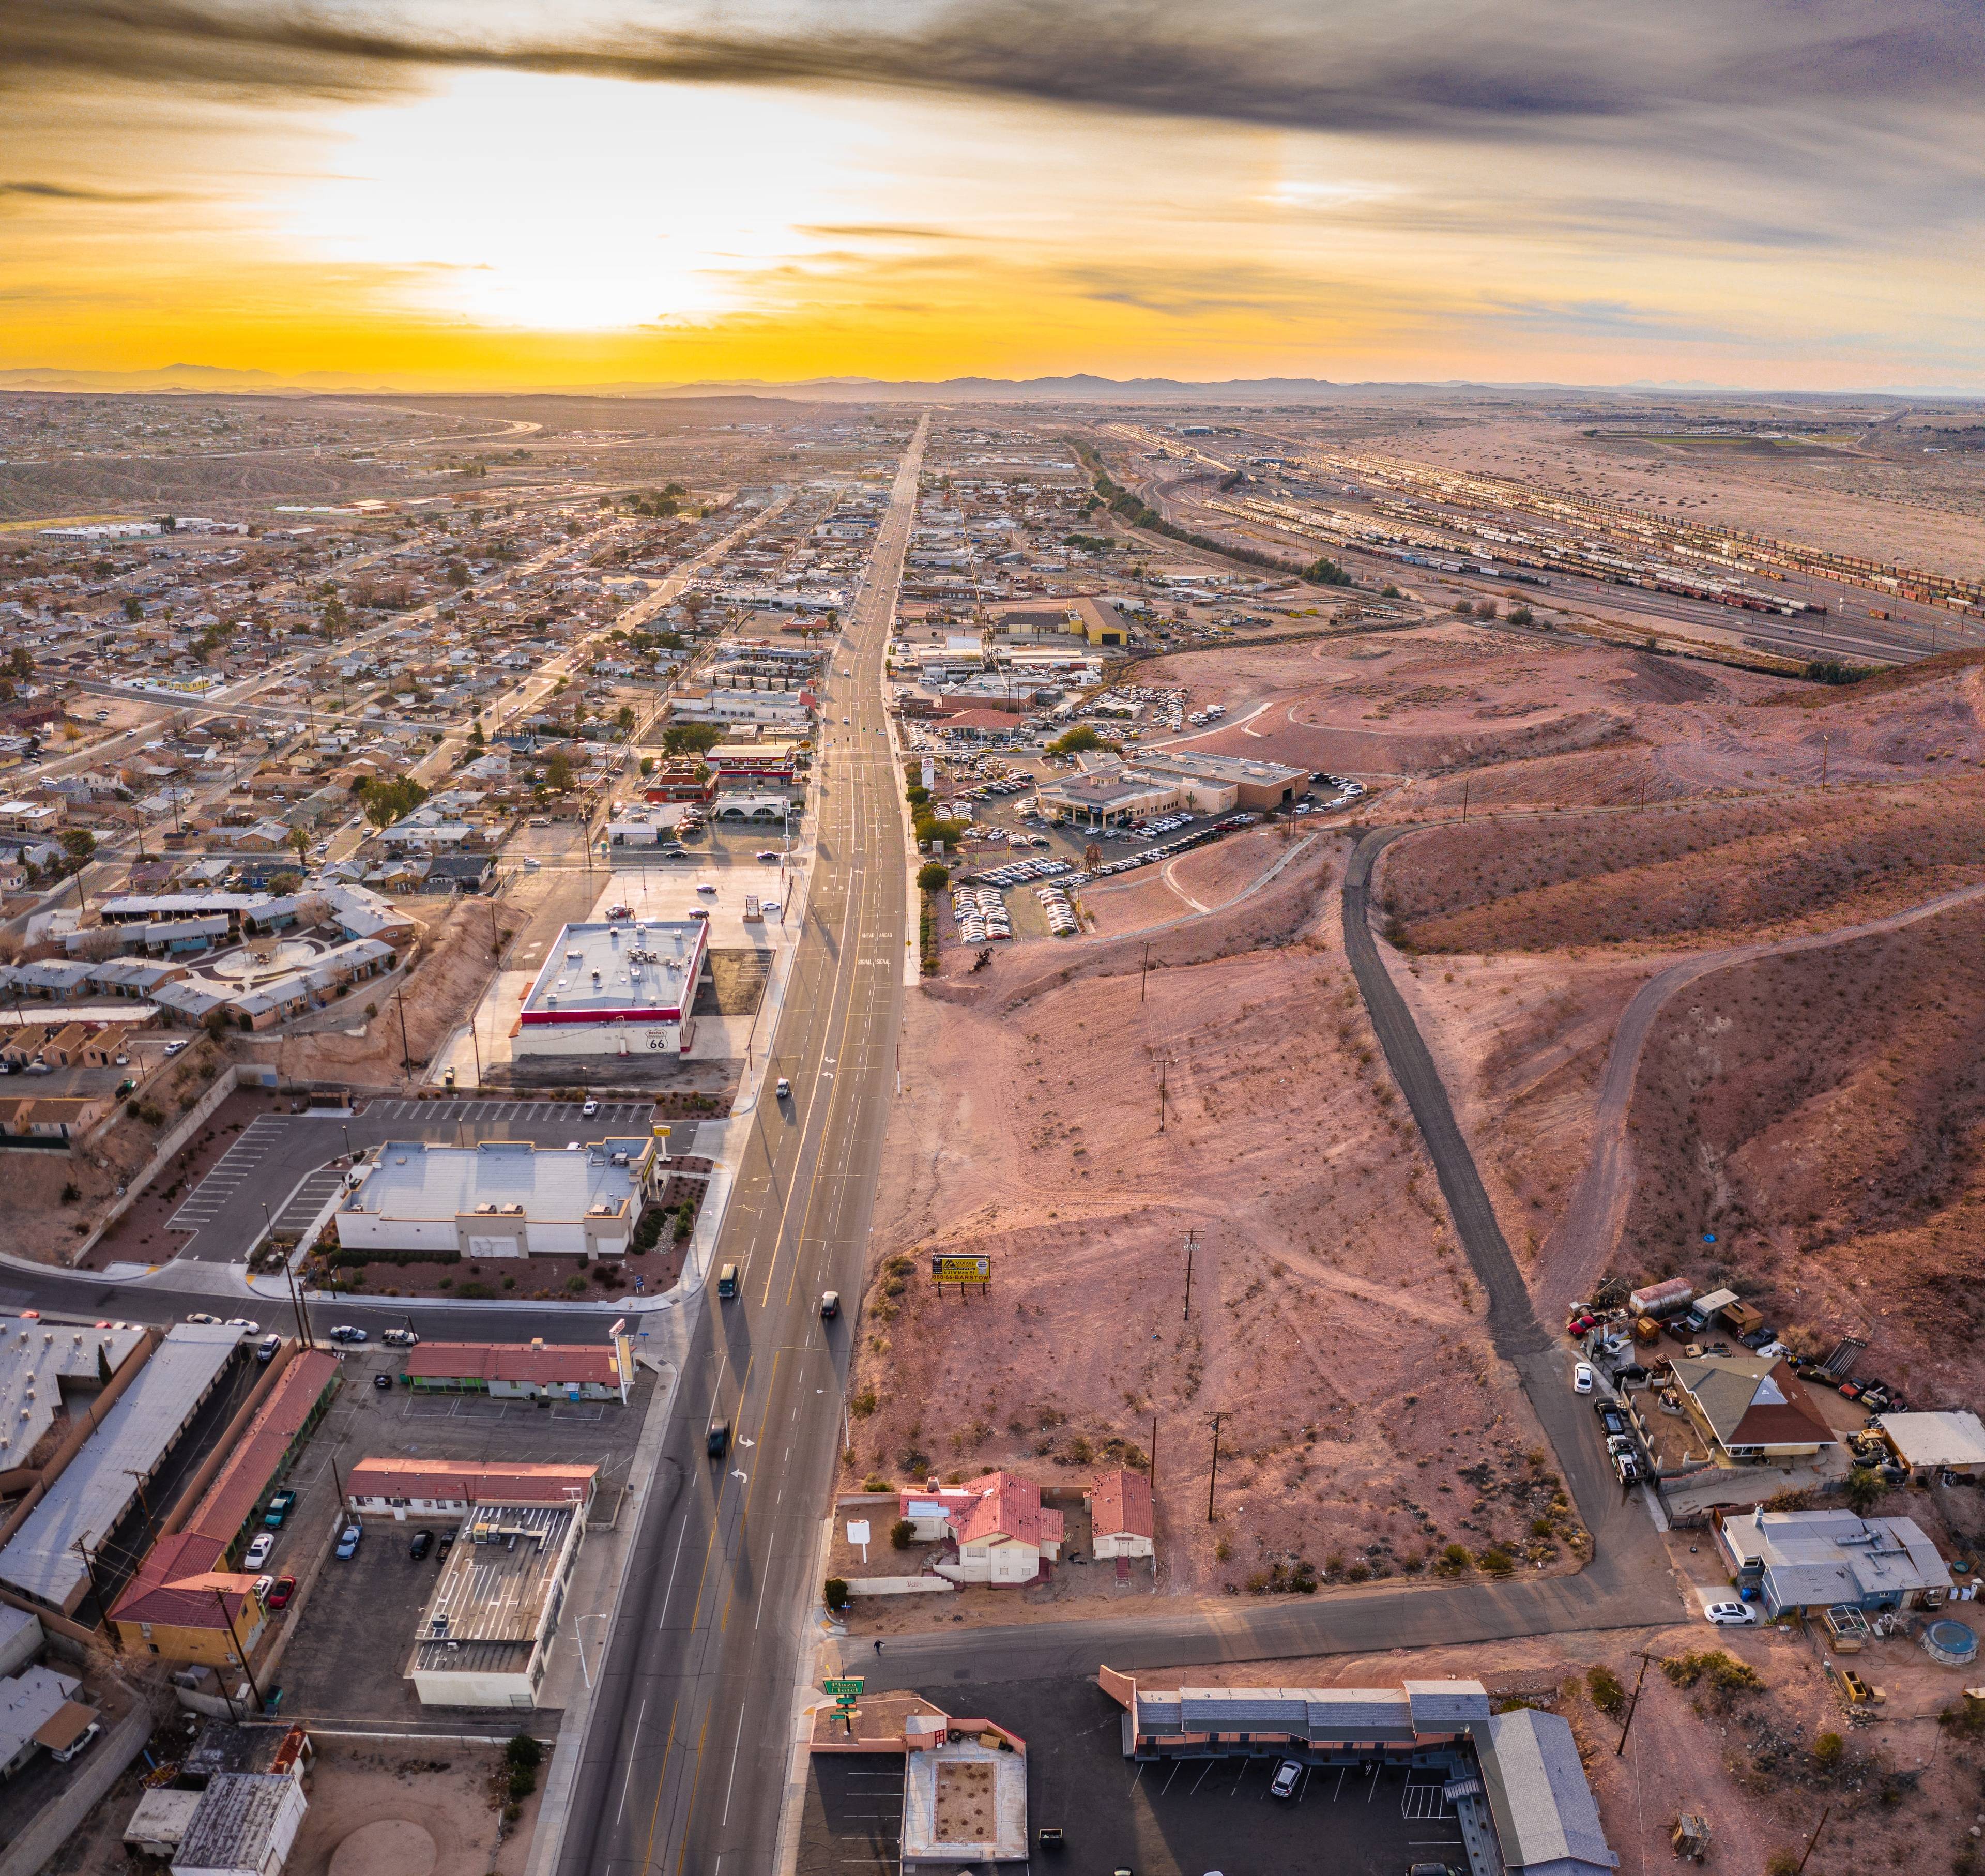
[947, 1269]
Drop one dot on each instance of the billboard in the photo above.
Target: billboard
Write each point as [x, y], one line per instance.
[944, 1270]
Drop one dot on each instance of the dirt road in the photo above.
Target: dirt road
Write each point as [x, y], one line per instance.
[1577, 1252]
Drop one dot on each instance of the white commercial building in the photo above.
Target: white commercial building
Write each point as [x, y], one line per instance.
[616, 988]
[502, 1198]
[486, 1638]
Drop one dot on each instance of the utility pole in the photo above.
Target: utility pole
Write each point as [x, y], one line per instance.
[1164, 1073]
[1814, 1838]
[1145, 972]
[1464, 801]
[1822, 758]
[143, 1505]
[234, 1635]
[1632, 1707]
[406, 1049]
[296, 1303]
[1191, 1238]
[1213, 1476]
[97, 1589]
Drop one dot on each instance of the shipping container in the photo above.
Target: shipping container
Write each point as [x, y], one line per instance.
[1665, 1299]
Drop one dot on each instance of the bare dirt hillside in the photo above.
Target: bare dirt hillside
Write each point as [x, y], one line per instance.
[1334, 1322]
[1701, 873]
[1823, 1114]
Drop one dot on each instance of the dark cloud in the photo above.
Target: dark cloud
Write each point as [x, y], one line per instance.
[1425, 67]
[67, 192]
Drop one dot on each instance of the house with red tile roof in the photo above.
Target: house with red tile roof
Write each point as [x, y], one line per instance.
[401, 1487]
[1003, 1532]
[1121, 1522]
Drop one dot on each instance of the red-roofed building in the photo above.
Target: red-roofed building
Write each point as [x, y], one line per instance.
[1121, 1523]
[978, 723]
[179, 1606]
[525, 1371]
[185, 1603]
[402, 1488]
[1002, 1532]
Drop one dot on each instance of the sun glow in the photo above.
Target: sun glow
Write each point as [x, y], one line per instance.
[577, 205]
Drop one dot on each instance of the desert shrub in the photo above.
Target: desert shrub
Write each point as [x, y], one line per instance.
[876, 1482]
[902, 1533]
[1496, 1561]
[1829, 1749]
[834, 1593]
[1607, 1694]
[1723, 1671]
[863, 1404]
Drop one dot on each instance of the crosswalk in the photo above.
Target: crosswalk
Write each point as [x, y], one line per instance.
[234, 1169]
[624, 1115]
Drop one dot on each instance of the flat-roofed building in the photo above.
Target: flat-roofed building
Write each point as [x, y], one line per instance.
[40, 1560]
[1952, 1442]
[485, 1640]
[1817, 1560]
[1256, 784]
[616, 988]
[502, 1198]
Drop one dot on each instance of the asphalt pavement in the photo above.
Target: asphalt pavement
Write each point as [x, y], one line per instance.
[278, 1156]
[684, 1762]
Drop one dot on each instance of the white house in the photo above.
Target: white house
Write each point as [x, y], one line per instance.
[1002, 1532]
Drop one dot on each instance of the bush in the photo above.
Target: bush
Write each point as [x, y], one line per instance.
[1724, 1673]
[902, 1534]
[863, 1404]
[1522, 615]
[1829, 1749]
[1496, 1561]
[834, 1594]
[523, 1753]
[933, 876]
[1607, 1694]
[876, 1482]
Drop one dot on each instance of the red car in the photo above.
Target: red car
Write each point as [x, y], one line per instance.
[1579, 1325]
[285, 1588]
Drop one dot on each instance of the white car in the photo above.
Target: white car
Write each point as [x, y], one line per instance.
[63, 1754]
[173, 1048]
[588, 1110]
[1730, 1614]
[258, 1551]
[1581, 1378]
[399, 1338]
[200, 1316]
[242, 1322]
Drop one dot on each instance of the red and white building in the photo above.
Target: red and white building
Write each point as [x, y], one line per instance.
[620, 988]
[1003, 1532]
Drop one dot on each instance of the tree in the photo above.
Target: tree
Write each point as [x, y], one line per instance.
[647, 765]
[1082, 736]
[623, 719]
[337, 620]
[691, 738]
[102, 1367]
[300, 841]
[933, 875]
[458, 573]
[1863, 1490]
[79, 845]
[558, 772]
[1325, 572]
[134, 608]
[283, 883]
[386, 801]
[1522, 615]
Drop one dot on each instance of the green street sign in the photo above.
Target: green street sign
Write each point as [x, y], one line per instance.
[843, 1689]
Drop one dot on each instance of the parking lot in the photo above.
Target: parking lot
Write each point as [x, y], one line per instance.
[358, 1622]
[1181, 1819]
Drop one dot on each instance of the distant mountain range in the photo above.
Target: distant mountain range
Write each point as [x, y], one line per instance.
[1081, 386]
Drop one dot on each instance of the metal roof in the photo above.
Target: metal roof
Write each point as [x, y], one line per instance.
[39, 1361]
[95, 1488]
[235, 1825]
[500, 1592]
[1543, 1806]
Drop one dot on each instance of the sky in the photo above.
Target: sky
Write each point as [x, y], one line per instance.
[1772, 193]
